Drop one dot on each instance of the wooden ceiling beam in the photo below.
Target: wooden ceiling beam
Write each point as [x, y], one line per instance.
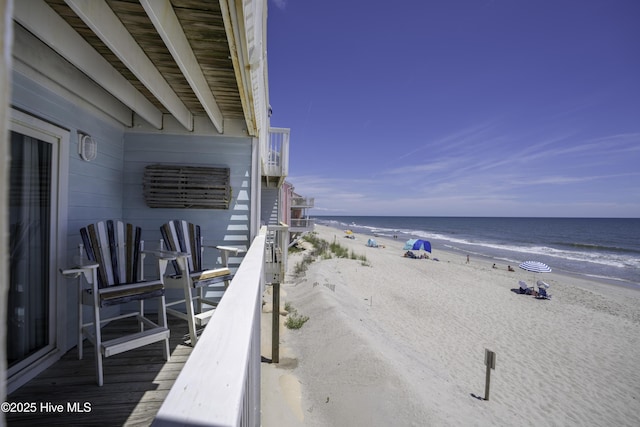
[98, 16]
[234, 29]
[166, 23]
[48, 26]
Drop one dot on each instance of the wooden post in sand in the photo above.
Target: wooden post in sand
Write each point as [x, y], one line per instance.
[275, 325]
[490, 361]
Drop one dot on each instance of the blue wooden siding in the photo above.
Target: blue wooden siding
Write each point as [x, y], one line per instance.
[95, 188]
[219, 226]
[111, 185]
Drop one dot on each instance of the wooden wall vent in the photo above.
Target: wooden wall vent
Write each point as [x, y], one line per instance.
[186, 187]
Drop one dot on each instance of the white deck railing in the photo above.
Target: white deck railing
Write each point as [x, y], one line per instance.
[275, 153]
[302, 202]
[220, 383]
[302, 223]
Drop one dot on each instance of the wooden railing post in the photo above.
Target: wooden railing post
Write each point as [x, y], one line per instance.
[278, 238]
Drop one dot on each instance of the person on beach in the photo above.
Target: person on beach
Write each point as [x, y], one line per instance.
[467, 259]
[510, 269]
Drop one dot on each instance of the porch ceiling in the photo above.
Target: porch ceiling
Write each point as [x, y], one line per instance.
[158, 57]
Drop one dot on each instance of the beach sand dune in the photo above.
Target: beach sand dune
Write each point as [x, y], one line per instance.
[401, 341]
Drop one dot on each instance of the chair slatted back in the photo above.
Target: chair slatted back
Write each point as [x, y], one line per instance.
[182, 236]
[115, 246]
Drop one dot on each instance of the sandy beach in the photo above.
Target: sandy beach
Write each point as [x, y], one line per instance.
[402, 341]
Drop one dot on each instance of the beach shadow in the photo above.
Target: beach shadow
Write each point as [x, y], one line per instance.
[517, 291]
[475, 396]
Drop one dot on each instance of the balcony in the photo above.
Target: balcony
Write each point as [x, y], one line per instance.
[215, 383]
[301, 225]
[275, 157]
[302, 202]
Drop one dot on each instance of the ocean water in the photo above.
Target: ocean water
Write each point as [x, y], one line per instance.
[607, 249]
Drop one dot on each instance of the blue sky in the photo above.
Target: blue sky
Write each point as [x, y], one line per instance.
[460, 108]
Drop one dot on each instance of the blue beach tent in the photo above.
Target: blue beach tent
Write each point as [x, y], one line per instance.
[372, 243]
[417, 244]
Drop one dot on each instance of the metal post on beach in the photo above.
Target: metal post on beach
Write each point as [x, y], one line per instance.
[490, 362]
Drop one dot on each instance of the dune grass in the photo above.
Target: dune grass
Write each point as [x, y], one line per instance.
[294, 319]
[325, 250]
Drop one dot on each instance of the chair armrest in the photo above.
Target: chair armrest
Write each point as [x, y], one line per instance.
[228, 249]
[165, 255]
[82, 267]
[225, 251]
[179, 257]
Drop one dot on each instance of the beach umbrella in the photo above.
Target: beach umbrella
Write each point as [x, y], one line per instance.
[409, 244]
[535, 267]
[422, 244]
[416, 245]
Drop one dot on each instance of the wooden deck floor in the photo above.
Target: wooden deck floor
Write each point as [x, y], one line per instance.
[135, 385]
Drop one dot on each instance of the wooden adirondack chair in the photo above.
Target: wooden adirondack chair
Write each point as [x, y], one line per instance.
[111, 260]
[190, 275]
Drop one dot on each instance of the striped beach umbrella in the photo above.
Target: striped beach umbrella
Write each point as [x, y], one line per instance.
[535, 266]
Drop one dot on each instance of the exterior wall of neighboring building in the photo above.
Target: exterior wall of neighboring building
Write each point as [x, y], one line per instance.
[297, 215]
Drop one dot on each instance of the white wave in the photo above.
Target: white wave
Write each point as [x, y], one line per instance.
[511, 253]
[610, 260]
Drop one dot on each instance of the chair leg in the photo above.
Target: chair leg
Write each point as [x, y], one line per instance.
[98, 344]
[190, 314]
[80, 312]
[141, 313]
[162, 321]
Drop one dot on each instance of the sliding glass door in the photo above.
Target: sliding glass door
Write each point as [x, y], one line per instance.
[32, 330]
[30, 247]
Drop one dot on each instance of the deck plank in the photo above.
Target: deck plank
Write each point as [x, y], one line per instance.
[135, 385]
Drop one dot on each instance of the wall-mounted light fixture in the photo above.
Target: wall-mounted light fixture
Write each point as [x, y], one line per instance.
[87, 147]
